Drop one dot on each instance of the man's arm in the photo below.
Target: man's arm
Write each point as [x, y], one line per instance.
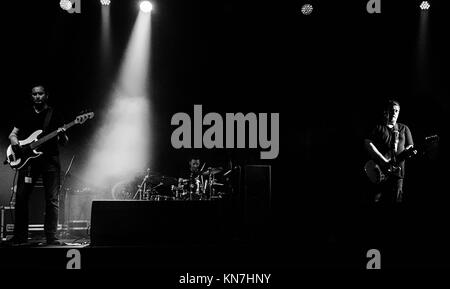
[15, 145]
[13, 137]
[408, 139]
[374, 152]
[62, 137]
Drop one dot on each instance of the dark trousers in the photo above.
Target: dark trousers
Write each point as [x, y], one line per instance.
[390, 192]
[49, 169]
[386, 215]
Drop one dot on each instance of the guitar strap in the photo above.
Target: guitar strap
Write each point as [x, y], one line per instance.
[48, 116]
[394, 141]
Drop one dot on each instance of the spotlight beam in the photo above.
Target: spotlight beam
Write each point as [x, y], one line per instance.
[122, 142]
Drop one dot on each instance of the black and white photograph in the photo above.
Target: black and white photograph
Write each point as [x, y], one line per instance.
[224, 143]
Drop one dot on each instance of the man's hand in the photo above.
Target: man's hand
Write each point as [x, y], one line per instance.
[17, 149]
[385, 163]
[62, 137]
[60, 130]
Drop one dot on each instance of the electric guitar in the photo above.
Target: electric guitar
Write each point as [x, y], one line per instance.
[30, 145]
[378, 174]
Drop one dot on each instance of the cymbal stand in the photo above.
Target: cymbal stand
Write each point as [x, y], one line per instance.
[141, 188]
[195, 186]
[209, 189]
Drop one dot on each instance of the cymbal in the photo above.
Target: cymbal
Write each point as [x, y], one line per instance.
[169, 180]
[156, 178]
[212, 171]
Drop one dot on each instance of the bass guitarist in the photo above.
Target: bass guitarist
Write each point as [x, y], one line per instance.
[385, 142]
[40, 116]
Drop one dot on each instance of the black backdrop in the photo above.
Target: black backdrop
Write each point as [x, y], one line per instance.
[326, 74]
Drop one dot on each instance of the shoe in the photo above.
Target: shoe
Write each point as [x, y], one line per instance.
[53, 241]
[15, 241]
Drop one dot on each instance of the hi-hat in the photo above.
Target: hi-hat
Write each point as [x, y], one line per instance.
[212, 171]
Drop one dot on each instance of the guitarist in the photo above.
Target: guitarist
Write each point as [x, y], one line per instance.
[386, 141]
[39, 116]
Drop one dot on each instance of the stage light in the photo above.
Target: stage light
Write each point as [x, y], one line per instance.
[146, 6]
[307, 9]
[105, 2]
[65, 4]
[425, 5]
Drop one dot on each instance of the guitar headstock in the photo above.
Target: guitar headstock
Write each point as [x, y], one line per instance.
[432, 138]
[83, 117]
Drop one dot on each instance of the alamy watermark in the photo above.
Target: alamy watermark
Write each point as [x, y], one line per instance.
[234, 135]
[375, 259]
[373, 6]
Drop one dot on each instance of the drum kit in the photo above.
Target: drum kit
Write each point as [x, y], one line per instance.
[153, 186]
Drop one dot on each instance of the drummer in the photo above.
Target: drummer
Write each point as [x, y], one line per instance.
[192, 180]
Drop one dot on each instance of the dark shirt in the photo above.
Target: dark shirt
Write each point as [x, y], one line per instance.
[382, 137]
[29, 121]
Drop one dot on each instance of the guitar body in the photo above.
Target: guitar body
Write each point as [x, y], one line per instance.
[18, 162]
[378, 175]
[374, 172]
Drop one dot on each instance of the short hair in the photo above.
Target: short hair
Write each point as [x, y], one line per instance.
[39, 85]
[390, 103]
[194, 159]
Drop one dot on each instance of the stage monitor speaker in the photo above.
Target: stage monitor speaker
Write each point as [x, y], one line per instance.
[130, 223]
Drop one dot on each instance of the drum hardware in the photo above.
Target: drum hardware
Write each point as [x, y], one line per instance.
[209, 189]
[158, 198]
[142, 192]
[202, 185]
[195, 188]
[145, 195]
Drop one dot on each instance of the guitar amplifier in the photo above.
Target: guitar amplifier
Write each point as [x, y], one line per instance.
[6, 222]
[36, 214]
[36, 204]
[7, 225]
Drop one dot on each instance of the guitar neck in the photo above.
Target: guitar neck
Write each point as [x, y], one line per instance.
[406, 154]
[49, 136]
[412, 151]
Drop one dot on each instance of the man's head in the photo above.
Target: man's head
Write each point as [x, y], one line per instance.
[39, 95]
[194, 164]
[391, 111]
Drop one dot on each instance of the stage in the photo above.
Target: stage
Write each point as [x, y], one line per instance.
[232, 137]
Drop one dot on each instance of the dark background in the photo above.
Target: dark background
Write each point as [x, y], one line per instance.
[326, 74]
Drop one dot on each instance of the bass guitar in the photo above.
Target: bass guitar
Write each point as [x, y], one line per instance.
[30, 145]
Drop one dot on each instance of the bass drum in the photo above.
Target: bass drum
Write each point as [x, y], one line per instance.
[123, 190]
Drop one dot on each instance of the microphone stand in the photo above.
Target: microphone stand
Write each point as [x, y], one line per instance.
[66, 214]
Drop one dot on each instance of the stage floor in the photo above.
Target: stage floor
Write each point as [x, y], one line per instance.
[255, 255]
